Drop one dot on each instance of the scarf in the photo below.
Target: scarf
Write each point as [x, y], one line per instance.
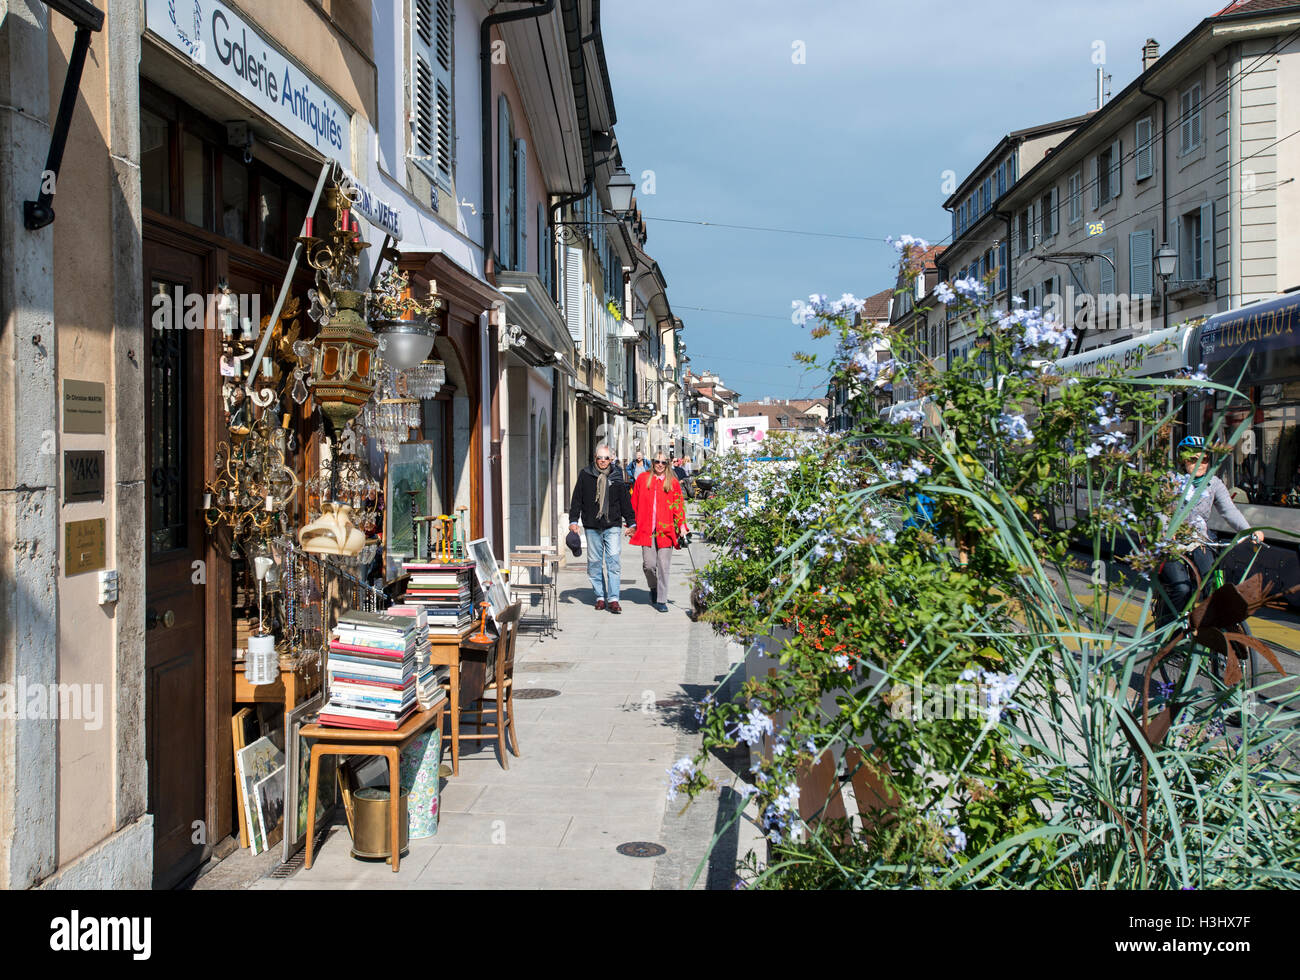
[602, 488]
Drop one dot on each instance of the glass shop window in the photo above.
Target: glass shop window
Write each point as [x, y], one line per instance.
[196, 180]
[234, 200]
[270, 215]
[155, 165]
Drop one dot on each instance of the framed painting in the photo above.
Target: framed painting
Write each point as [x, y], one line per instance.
[253, 764]
[490, 578]
[297, 777]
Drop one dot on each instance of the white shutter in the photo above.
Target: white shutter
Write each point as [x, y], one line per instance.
[1139, 263]
[573, 292]
[1096, 185]
[1207, 241]
[521, 205]
[433, 144]
[1145, 163]
[1116, 169]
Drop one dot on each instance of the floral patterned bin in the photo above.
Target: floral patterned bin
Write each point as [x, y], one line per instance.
[419, 773]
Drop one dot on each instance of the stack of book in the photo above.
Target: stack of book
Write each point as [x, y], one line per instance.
[428, 678]
[371, 671]
[448, 593]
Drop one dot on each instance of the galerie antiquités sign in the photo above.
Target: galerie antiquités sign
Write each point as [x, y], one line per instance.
[219, 41]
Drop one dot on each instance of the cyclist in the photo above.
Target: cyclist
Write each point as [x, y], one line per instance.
[1174, 576]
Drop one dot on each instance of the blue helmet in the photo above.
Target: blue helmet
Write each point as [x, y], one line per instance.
[1192, 442]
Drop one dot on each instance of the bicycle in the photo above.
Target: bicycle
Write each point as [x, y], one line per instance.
[1173, 668]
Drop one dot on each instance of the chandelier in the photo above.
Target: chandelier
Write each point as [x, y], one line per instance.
[425, 379]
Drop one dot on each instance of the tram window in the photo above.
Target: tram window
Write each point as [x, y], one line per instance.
[1264, 465]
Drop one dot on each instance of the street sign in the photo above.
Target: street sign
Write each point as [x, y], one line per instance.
[695, 427]
[707, 442]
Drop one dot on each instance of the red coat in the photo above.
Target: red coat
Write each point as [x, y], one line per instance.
[657, 511]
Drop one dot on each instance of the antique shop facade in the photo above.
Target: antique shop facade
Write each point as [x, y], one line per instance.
[197, 139]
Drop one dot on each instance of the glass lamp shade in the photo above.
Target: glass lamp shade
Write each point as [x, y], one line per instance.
[405, 342]
[620, 189]
[1166, 260]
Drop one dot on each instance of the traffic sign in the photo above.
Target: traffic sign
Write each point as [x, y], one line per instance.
[707, 442]
[695, 427]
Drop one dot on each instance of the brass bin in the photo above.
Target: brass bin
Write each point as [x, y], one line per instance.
[368, 818]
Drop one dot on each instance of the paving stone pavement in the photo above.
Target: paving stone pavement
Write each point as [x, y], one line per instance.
[593, 770]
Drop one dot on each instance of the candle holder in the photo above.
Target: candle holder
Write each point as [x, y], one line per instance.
[482, 635]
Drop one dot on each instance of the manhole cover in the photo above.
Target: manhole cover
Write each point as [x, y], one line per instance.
[533, 693]
[541, 666]
[641, 849]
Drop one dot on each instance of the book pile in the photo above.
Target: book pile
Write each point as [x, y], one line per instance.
[371, 671]
[448, 593]
[428, 678]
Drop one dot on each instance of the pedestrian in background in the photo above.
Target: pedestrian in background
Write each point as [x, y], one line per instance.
[637, 467]
[600, 498]
[660, 522]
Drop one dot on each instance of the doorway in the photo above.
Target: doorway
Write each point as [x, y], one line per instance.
[175, 547]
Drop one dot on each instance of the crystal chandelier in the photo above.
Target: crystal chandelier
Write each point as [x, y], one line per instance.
[393, 413]
[425, 379]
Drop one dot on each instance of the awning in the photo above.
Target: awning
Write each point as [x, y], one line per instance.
[530, 308]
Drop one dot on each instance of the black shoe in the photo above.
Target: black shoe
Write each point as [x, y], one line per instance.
[661, 606]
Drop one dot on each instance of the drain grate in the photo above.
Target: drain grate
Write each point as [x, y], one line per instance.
[641, 849]
[534, 693]
[291, 867]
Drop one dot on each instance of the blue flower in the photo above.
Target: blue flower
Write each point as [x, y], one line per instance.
[943, 293]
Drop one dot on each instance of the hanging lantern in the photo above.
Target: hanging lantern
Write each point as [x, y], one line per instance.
[343, 369]
[426, 379]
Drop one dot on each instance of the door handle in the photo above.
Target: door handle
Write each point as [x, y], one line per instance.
[166, 620]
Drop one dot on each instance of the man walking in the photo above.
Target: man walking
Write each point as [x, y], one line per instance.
[601, 499]
[637, 467]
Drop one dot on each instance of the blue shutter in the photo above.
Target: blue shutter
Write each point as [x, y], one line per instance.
[521, 206]
[505, 186]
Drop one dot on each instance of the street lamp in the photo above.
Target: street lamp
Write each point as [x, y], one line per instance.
[1166, 263]
[620, 188]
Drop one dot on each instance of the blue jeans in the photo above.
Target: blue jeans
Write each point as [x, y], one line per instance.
[605, 548]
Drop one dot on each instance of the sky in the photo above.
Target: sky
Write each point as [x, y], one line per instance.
[836, 117]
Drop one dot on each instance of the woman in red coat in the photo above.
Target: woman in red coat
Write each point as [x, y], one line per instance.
[660, 518]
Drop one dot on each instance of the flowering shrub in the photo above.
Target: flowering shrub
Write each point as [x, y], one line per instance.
[923, 552]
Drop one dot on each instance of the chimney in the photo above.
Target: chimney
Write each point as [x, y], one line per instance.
[1150, 53]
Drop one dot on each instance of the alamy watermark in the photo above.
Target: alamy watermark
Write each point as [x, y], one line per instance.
[230, 312]
[977, 694]
[60, 702]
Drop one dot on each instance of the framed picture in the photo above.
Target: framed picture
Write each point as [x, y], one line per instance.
[269, 794]
[298, 775]
[490, 578]
[253, 765]
[408, 485]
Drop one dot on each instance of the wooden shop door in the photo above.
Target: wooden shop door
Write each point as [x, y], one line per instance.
[174, 541]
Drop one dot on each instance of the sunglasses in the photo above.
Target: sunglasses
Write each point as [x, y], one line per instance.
[604, 458]
[661, 462]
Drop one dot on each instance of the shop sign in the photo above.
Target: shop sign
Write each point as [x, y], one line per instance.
[83, 407]
[694, 426]
[379, 213]
[219, 41]
[83, 476]
[83, 546]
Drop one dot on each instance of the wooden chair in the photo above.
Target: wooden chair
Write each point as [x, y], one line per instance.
[499, 689]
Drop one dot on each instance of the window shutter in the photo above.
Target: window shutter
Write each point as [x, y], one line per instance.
[521, 205]
[1145, 165]
[1116, 169]
[505, 186]
[1185, 248]
[1139, 263]
[1207, 270]
[1056, 210]
[1107, 277]
[1033, 224]
[573, 292]
[1002, 266]
[433, 141]
[544, 251]
[1096, 184]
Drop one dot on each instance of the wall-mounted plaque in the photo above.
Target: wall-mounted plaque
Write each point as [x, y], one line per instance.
[83, 475]
[83, 407]
[83, 546]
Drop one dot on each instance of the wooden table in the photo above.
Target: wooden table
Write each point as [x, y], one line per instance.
[467, 680]
[356, 741]
[289, 690]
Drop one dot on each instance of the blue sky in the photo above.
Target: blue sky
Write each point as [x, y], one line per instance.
[851, 142]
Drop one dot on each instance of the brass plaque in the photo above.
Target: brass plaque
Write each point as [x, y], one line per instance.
[83, 546]
[83, 407]
[83, 475]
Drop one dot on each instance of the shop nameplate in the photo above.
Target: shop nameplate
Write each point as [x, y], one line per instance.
[83, 475]
[83, 546]
[83, 407]
[220, 42]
